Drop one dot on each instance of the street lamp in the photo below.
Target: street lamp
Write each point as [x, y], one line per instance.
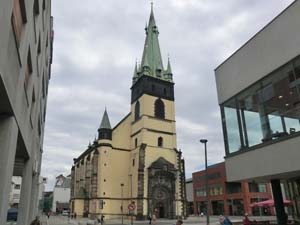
[130, 175]
[204, 141]
[122, 185]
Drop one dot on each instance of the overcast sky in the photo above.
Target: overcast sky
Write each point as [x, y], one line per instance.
[95, 48]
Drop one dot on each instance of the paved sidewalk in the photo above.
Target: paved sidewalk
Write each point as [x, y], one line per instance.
[193, 220]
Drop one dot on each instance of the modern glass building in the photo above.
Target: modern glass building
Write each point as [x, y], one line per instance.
[259, 96]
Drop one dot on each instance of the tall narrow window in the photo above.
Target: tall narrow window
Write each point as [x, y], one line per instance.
[18, 18]
[135, 142]
[159, 111]
[28, 70]
[160, 142]
[137, 111]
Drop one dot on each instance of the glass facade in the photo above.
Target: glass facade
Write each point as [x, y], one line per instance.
[266, 111]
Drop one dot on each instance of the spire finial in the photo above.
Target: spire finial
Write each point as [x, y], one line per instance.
[151, 5]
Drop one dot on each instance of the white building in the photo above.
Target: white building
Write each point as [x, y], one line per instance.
[61, 194]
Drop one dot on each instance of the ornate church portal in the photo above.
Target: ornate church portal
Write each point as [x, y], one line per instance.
[161, 188]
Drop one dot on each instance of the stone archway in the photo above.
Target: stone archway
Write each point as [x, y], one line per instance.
[161, 189]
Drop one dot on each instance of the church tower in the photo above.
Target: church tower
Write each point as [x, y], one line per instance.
[135, 167]
[160, 171]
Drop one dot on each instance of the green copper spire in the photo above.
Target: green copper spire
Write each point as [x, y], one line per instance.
[151, 61]
[105, 124]
[168, 73]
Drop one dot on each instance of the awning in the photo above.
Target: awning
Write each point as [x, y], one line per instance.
[269, 203]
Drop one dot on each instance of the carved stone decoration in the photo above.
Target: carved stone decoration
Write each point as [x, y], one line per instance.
[94, 175]
[161, 189]
[140, 207]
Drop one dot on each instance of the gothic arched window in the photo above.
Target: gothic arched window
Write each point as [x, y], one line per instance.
[160, 142]
[159, 110]
[137, 111]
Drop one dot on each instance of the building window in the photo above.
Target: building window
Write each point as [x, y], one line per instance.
[133, 162]
[233, 187]
[136, 142]
[18, 18]
[137, 111]
[165, 91]
[28, 70]
[159, 111]
[257, 187]
[153, 87]
[32, 114]
[266, 111]
[18, 186]
[160, 142]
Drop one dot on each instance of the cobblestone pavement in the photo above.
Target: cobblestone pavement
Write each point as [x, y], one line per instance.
[61, 220]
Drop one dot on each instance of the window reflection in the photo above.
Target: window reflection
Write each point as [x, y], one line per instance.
[268, 110]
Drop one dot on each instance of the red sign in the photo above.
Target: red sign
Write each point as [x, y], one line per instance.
[131, 207]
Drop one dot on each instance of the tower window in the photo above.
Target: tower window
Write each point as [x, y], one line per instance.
[137, 111]
[135, 142]
[165, 91]
[153, 87]
[160, 142]
[159, 111]
[133, 162]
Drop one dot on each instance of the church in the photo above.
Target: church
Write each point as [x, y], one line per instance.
[135, 168]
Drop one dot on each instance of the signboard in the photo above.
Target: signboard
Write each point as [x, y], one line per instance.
[131, 207]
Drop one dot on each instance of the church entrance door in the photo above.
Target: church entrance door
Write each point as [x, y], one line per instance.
[160, 210]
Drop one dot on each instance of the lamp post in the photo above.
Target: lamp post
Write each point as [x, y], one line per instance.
[122, 185]
[204, 141]
[130, 175]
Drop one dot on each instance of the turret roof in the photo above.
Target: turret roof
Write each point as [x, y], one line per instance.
[105, 124]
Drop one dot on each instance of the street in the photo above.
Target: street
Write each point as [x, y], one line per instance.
[62, 220]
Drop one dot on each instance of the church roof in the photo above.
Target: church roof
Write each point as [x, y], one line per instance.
[152, 64]
[105, 124]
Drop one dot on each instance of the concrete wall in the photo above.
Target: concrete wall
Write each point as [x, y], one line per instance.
[24, 107]
[269, 49]
[279, 160]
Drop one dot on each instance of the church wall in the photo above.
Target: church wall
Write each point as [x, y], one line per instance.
[147, 107]
[78, 207]
[121, 134]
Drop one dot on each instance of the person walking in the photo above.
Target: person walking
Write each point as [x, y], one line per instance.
[150, 218]
[153, 219]
[246, 220]
[227, 221]
[36, 221]
[179, 222]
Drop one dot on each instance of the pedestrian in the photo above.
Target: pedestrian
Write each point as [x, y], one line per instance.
[246, 220]
[75, 215]
[48, 215]
[36, 221]
[153, 219]
[179, 222]
[221, 219]
[150, 218]
[227, 221]
[102, 219]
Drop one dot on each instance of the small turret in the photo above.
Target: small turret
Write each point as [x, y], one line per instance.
[168, 73]
[104, 131]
